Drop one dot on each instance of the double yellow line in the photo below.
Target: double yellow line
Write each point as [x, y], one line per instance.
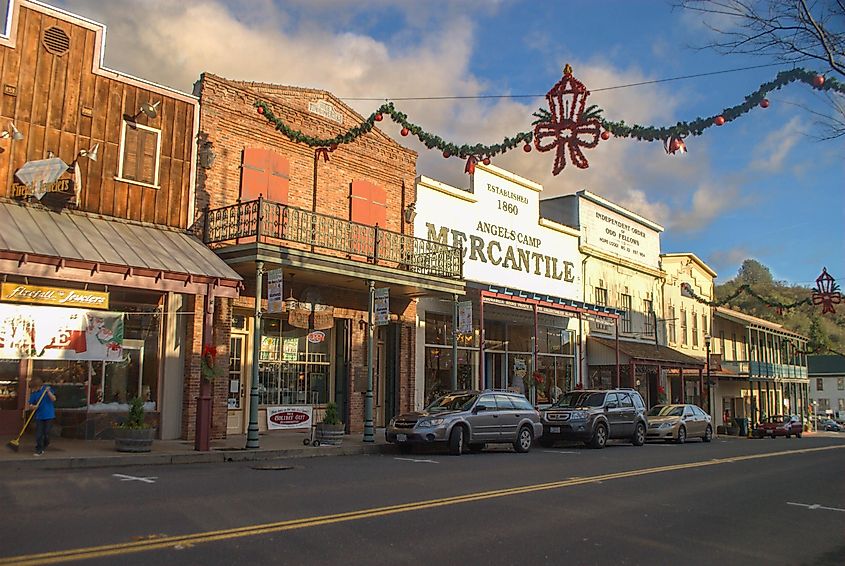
[108, 550]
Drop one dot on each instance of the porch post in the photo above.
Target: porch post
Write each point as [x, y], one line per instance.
[454, 384]
[252, 428]
[618, 373]
[369, 432]
[535, 347]
[482, 379]
[202, 438]
[701, 386]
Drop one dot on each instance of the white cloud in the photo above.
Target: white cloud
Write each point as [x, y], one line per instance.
[769, 155]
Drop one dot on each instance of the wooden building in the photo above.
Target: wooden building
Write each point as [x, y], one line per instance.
[97, 170]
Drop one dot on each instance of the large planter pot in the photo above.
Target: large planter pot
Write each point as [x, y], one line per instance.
[331, 435]
[133, 439]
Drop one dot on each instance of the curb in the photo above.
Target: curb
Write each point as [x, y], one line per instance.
[213, 457]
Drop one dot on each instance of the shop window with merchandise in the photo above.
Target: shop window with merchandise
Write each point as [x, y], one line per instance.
[438, 356]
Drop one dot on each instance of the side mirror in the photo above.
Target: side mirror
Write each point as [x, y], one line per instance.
[479, 408]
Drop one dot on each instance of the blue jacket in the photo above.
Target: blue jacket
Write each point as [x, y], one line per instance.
[46, 410]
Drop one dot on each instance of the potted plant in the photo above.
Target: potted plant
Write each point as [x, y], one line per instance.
[134, 434]
[330, 431]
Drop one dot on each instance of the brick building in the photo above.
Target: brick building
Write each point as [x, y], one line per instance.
[336, 222]
[104, 290]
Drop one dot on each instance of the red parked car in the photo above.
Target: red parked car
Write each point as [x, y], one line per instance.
[780, 425]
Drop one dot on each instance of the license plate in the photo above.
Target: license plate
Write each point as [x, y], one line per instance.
[554, 429]
[401, 437]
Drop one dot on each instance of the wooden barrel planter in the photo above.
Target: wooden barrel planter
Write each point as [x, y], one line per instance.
[331, 435]
[133, 439]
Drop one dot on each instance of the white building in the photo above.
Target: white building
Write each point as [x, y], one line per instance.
[827, 385]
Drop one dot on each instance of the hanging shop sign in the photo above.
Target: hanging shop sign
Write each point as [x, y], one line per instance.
[57, 296]
[497, 223]
[58, 333]
[296, 416]
[275, 297]
[43, 180]
[465, 317]
[311, 316]
[381, 306]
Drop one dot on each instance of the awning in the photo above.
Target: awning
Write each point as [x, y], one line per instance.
[84, 247]
[645, 353]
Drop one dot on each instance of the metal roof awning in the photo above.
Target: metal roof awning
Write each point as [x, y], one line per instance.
[77, 246]
[641, 352]
[558, 303]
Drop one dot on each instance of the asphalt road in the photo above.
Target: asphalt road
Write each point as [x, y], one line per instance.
[729, 502]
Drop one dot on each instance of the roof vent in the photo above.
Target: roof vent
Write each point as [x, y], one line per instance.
[56, 41]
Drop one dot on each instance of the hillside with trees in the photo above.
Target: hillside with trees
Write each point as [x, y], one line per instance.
[826, 332]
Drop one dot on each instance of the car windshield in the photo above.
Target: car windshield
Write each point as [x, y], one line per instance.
[580, 399]
[666, 411]
[453, 402]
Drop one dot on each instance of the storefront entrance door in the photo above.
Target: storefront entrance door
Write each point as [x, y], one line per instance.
[495, 370]
[237, 389]
[379, 375]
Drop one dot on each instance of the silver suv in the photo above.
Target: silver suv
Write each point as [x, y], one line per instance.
[469, 420]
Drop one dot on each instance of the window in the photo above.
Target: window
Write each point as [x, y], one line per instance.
[688, 411]
[611, 400]
[368, 204]
[672, 337]
[648, 308]
[694, 330]
[698, 412]
[264, 173]
[625, 305]
[235, 371]
[683, 327]
[733, 344]
[840, 383]
[600, 296]
[819, 384]
[704, 328]
[140, 148]
[625, 400]
[503, 403]
[824, 405]
[841, 405]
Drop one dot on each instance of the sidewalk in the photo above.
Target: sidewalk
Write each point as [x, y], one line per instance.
[65, 453]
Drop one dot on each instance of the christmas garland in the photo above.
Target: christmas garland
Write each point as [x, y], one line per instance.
[687, 290]
[473, 152]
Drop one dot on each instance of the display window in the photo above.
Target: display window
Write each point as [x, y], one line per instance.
[10, 381]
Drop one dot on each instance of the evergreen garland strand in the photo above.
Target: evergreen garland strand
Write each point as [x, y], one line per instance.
[620, 129]
[745, 288]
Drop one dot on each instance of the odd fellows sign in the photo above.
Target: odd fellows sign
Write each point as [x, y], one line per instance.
[504, 240]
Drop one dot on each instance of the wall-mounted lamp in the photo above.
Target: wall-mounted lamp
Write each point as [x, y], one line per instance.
[89, 153]
[12, 132]
[205, 153]
[410, 212]
[150, 110]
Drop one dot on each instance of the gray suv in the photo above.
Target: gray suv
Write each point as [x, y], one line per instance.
[469, 420]
[594, 416]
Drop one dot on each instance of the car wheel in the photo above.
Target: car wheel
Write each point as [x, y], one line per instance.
[523, 440]
[476, 447]
[599, 439]
[639, 435]
[788, 435]
[708, 434]
[798, 434]
[406, 448]
[682, 435]
[456, 441]
[546, 442]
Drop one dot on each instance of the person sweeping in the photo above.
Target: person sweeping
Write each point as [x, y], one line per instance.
[42, 401]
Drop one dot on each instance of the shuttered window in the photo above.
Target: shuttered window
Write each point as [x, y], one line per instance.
[140, 148]
[368, 204]
[265, 173]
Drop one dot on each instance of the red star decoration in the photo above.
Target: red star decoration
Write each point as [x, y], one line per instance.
[566, 129]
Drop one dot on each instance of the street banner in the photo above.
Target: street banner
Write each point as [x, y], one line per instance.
[289, 417]
[275, 298]
[381, 306]
[56, 333]
[465, 317]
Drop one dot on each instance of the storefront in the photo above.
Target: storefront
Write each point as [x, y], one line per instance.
[519, 326]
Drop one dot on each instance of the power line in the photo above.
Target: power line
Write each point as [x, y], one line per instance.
[641, 83]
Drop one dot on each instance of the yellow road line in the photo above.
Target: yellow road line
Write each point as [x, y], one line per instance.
[107, 550]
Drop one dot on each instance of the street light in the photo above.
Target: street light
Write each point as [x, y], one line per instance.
[709, 385]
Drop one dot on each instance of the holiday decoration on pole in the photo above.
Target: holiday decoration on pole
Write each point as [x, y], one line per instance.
[567, 125]
[208, 364]
[826, 292]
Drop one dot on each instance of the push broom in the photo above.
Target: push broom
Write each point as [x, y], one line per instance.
[16, 443]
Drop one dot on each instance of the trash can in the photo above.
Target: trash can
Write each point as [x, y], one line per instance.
[742, 424]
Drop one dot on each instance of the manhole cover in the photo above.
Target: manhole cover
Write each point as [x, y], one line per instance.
[272, 467]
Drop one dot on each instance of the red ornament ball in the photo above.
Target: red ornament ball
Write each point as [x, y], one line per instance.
[261, 110]
[333, 147]
[486, 161]
[405, 131]
[526, 148]
[447, 155]
[378, 117]
[764, 103]
[605, 135]
[818, 80]
[719, 121]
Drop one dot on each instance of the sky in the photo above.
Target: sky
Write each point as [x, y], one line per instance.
[760, 187]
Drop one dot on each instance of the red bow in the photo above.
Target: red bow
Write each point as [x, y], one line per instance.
[324, 151]
[470, 167]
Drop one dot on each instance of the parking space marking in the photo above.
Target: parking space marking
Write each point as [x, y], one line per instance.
[420, 460]
[560, 451]
[815, 506]
[124, 548]
[124, 477]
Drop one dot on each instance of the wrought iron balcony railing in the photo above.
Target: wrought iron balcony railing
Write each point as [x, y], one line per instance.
[268, 221]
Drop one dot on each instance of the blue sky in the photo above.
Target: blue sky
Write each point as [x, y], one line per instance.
[760, 187]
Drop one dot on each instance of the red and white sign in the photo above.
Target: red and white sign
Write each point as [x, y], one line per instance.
[294, 416]
[316, 337]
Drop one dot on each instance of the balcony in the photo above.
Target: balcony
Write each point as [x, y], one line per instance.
[271, 222]
[754, 369]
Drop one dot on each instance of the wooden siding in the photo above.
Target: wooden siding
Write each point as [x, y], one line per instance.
[53, 94]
